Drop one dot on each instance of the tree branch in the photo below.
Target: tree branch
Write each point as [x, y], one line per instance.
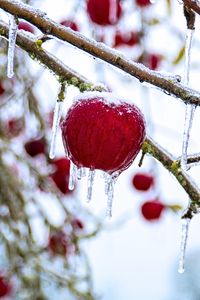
[169, 84]
[150, 147]
[193, 4]
[172, 165]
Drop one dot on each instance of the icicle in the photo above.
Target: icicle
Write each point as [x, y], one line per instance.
[11, 45]
[72, 176]
[81, 172]
[109, 191]
[184, 237]
[90, 184]
[190, 109]
[56, 122]
[113, 11]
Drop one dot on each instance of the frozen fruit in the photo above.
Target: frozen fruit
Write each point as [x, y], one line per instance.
[61, 164]
[152, 61]
[59, 243]
[70, 24]
[104, 12]
[77, 224]
[142, 181]
[35, 146]
[26, 27]
[126, 38]
[5, 287]
[143, 3]
[61, 180]
[2, 90]
[14, 127]
[102, 131]
[152, 210]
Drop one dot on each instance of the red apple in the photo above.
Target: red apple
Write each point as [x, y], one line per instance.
[36, 146]
[152, 210]
[143, 3]
[102, 131]
[5, 287]
[70, 24]
[26, 27]
[142, 181]
[127, 38]
[104, 12]
[59, 243]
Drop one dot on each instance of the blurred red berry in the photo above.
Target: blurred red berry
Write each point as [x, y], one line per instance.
[59, 243]
[70, 24]
[35, 147]
[61, 180]
[26, 27]
[152, 210]
[77, 224]
[5, 287]
[100, 131]
[142, 181]
[61, 164]
[143, 3]
[15, 127]
[104, 12]
[152, 61]
[2, 90]
[127, 38]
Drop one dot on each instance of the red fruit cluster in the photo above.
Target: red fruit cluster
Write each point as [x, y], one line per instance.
[152, 210]
[142, 3]
[143, 181]
[26, 27]
[61, 174]
[70, 24]
[104, 12]
[36, 146]
[5, 287]
[126, 38]
[59, 243]
[103, 132]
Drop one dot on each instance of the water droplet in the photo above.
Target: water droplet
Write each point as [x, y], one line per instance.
[72, 176]
[184, 238]
[90, 182]
[56, 122]
[11, 45]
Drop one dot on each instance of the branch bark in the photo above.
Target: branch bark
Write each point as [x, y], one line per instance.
[193, 4]
[168, 84]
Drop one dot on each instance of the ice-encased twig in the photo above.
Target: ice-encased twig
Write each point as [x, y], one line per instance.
[72, 175]
[11, 45]
[56, 122]
[190, 108]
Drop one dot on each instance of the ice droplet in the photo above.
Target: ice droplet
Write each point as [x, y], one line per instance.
[56, 122]
[190, 109]
[81, 172]
[184, 237]
[90, 182]
[109, 191]
[11, 45]
[72, 175]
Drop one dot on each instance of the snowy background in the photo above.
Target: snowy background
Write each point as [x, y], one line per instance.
[132, 258]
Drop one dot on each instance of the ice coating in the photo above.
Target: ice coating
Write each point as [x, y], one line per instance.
[11, 45]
